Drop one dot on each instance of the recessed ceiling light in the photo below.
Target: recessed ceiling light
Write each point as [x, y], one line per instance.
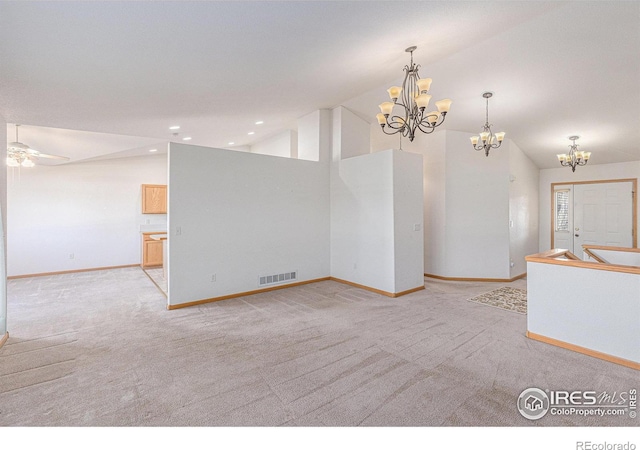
[251, 132]
[186, 138]
[153, 150]
[175, 127]
[259, 122]
[231, 143]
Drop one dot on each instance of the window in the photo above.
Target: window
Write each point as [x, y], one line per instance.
[562, 210]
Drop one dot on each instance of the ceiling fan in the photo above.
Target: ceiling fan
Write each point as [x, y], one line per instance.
[19, 154]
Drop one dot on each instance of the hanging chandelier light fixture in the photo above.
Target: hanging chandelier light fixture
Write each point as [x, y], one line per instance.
[412, 98]
[489, 140]
[575, 157]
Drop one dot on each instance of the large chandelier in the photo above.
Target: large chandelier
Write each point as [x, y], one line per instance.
[489, 140]
[575, 157]
[415, 99]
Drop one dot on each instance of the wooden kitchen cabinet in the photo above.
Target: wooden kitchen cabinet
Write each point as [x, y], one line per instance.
[151, 251]
[154, 199]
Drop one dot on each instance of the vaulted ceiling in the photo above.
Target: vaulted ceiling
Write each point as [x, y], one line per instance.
[215, 68]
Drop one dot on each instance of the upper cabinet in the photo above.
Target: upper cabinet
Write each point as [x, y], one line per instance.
[154, 199]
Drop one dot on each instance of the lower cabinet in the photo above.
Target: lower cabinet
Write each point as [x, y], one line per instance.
[151, 252]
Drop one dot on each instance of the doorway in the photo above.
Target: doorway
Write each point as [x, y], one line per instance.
[595, 213]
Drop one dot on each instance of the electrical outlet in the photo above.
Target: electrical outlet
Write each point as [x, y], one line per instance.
[71, 256]
[178, 231]
[213, 278]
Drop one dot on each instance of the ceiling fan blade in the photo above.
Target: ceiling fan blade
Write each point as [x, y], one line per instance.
[44, 155]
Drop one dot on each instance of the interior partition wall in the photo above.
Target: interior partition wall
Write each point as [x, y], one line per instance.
[3, 227]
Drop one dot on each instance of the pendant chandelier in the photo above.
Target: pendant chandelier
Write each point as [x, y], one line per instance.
[575, 157]
[489, 140]
[412, 99]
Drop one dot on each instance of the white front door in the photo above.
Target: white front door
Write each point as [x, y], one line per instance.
[603, 215]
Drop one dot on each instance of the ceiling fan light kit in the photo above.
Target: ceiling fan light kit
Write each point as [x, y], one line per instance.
[21, 155]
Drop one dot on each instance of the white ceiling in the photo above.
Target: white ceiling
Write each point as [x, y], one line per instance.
[214, 68]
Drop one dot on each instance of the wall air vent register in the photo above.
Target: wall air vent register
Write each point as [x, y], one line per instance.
[267, 280]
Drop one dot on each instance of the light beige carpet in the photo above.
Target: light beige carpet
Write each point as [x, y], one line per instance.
[508, 298]
[100, 349]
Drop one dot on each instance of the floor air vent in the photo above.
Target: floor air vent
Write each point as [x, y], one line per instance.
[278, 278]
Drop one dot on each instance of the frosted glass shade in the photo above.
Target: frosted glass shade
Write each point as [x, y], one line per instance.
[562, 158]
[443, 105]
[474, 140]
[587, 155]
[381, 119]
[27, 163]
[386, 108]
[424, 84]
[432, 117]
[394, 92]
[500, 136]
[422, 100]
[12, 162]
[484, 136]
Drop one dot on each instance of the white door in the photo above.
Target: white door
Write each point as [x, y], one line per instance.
[602, 215]
[563, 217]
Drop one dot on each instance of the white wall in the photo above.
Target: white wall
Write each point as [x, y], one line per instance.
[600, 313]
[435, 216]
[91, 210]
[283, 144]
[243, 215]
[523, 207]
[433, 150]
[468, 202]
[583, 173]
[477, 210]
[376, 199]
[351, 134]
[408, 211]
[3, 227]
[362, 221]
[314, 136]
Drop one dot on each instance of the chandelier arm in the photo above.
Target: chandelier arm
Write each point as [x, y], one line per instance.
[396, 120]
[430, 128]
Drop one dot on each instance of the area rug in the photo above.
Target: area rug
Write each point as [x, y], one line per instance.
[508, 298]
